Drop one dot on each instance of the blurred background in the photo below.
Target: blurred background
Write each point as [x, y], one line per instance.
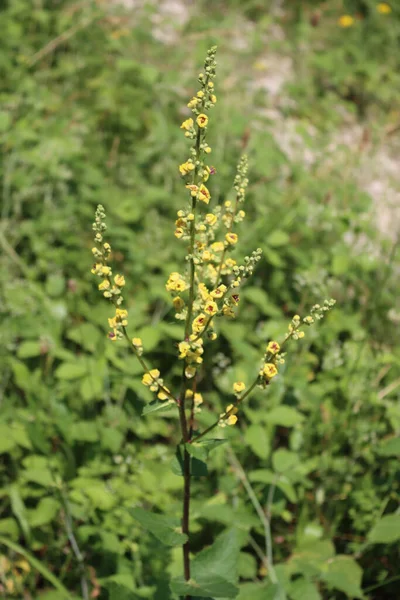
[92, 96]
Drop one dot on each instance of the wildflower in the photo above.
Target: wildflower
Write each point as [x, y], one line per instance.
[176, 283]
[178, 303]
[204, 194]
[184, 348]
[383, 8]
[213, 98]
[193, 189]
[200, 94]
[104, 285]
[207, 256]
[202, 120]
[188, 124]
[107, 247]
[232, 419]
[198, 323]
[203, 291]
[228, 311]
[206, 173]
[273, 348]
[105, 271]
[346, 21]
[119, 280]
[193, 102]
[211, 219]
[211, 308]
[269, 370]
[219, 291]
[217, 247]
[190, 372]
[207, 150]
[178, 233]
[162, 394]
[212, 335]
[231, 238]
[186, 167]
[238, 387]
[308, 320]
[149, 378]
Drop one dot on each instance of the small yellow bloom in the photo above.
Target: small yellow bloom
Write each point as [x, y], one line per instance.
[206, 173]
[241, 214]
[198, 399]
[119, 280]
[213, 336]
[210, 84]
[211, 308]
[199, 323]
[213, 98]
[203, 291]
[301, 334]
[190, 372]
[186, 167]
[238, 387]
[273, 348]
[232, 420]
[211, 219]
[207, 150]
[193, 189]
[104, 285]
[202, 120]
[162, 395]
[219, 292]
[188, 124]
[107, 247]
[384, 8]
[193, 102]
[200, 94]
[231, 238]
[204, 194]
[137, 342]
[346, 21]
[178, 233]
[149, 378]
[269, 370]
[105, 270]
[228, 311]
[184, 348]
[207, 256]
[217, 247]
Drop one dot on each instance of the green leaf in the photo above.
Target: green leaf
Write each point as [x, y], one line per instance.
[257, 438]
[150, 337]
[277, 238]
[344, 574]
[7, 442]
[385, 531]
[166, 529]
[202, 449]
[71, 370]
[286, 416]
[198, 468]
[283, 460]
[260, 298]
[214, 570]
[38, 565]
[85, 431]
[19, 510]
[302, 589]
[158, 406]
[259, 591]
[44, 513]
[29, 349]
[390, 447]
[280, 481]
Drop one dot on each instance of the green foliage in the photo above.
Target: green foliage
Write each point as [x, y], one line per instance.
[94, 119]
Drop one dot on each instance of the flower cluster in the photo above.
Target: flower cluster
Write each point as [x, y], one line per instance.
[229, 416]
[155, 383]
[191, 350]
[197, 399]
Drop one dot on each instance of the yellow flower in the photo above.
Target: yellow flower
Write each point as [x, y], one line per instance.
[178, 233]
[212, 335]
[269, 370]
[162, 395]
[104, 285]
[107, 247]
[200, 94]
[346, 21]
[232, 420]
[119, 280]
[217, 247]
[211, 219]
[188, 124]
[198, 323]
[137, 342]
[193, 102]
[198, 399]
[241, 214]
[273, 348]
[207, 150]
[213, 98]
[210, 84]
[383, 8]
[204, 194]
[219, 292]
[202, 120]
[105, 271]
[227, 311]
[190, 372]
[231, 238]
[206, 173]
[193, 189]
[176, 283]
[186, 167]
[211, 308]
[184, 348]
[238, 387]
[148, 378]
[206, 256]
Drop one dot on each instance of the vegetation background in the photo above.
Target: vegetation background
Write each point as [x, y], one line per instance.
[92, 96]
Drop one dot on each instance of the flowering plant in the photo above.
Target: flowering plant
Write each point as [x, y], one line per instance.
[202, 294]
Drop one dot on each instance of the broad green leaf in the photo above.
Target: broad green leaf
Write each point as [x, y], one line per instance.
[162, 406]
[198, 468]
[283, 460]
[85, 431]
[257, 438]
[202, 449]
[38, 565]
[29, 349]
[280, 481]
[386, 531]
[389, 447]
[150, 337]
[19, 510]
[166, 529]
[286, 416]
[302, 589]
[345, 574]
[9, 527]
[72, 370]
[214, 570]
[7, 442]
[44, 513]
[259, 591]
